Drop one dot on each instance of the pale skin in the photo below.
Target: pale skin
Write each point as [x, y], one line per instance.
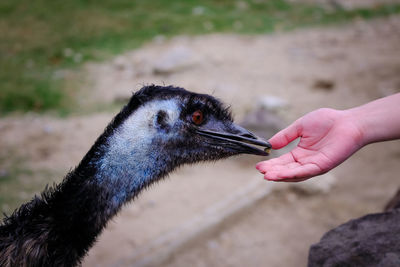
[328, 137]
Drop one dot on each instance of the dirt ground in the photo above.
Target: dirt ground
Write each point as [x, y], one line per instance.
[360, 62]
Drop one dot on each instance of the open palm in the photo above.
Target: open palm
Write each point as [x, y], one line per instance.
[327, 138]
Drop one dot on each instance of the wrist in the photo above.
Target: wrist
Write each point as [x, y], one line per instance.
[359, 125]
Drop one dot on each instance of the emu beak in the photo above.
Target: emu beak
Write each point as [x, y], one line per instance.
[240, 139]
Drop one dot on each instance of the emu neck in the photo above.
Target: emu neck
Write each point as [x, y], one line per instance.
[125, 170]
[131, 157]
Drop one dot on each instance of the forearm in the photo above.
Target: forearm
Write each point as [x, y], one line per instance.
[378, 120]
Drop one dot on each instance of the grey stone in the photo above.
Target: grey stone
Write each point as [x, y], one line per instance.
[3, 173]
[272, 103]
[176, 59]
[198, 10]
[120, 63]
[263, 122]
[372, 240]
[48, 129]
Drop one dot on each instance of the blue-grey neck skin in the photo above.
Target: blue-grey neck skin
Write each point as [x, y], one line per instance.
[132, 156]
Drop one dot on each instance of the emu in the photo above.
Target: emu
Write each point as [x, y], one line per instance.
[159, 129]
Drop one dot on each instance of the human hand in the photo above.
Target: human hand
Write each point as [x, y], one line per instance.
[327, 138]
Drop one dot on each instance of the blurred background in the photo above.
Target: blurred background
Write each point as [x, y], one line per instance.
[67, 67]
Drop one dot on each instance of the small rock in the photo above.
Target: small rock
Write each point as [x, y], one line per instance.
[59, 74]
[242, 5]
[176, 59]
[78, 57]
[263, 122]
[272, 103]
[48, 129]
[68, 52]
[198, 10]
[159, 39]
[3, 173]
[120, 63]
[323, 84]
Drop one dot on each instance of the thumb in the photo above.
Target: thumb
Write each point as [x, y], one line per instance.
[285, 136]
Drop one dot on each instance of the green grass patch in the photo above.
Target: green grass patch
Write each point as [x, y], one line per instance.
[42, 38]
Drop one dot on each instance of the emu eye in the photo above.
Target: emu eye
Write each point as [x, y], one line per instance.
[197, 117]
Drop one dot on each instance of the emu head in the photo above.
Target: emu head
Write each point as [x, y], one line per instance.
[164, 127]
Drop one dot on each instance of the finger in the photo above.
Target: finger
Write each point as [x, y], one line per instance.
[300, 172]
[292, 180]
[286, 136]
[273, 168]
[282, 160]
